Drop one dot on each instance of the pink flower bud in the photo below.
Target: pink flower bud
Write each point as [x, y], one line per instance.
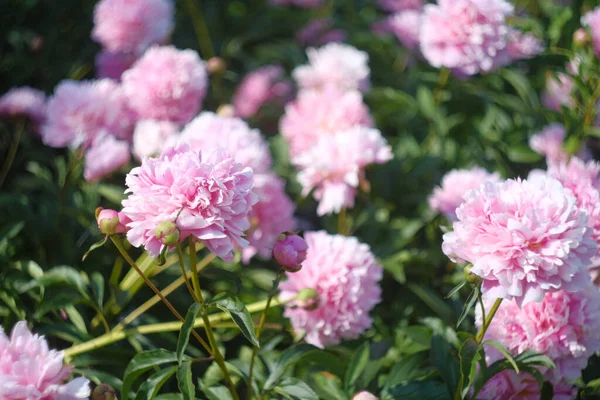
[109, 221]
[104, 392]
[364, 395]
[580, 37]
[215, 65]
[167, 233]
[290, 252]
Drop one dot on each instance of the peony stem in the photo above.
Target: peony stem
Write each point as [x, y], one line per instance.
[261, 324]
[12, 151]
[202, 34]
[184, 273]
[342, 222]
[216, 353]
[442, 81]
[488, 320]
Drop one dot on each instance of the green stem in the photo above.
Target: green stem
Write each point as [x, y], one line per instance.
[12, 151]
[342, 222]
[206, 47]
[184, 273]
[488, 320]
[442, 81]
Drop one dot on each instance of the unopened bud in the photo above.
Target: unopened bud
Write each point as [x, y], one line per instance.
[471, 277]
[104, 392]
[215, 65]
[109, 221]
[167, 233]
[290, 252]
[307, 299]
[226, 110]
[364, 395]
[580, 37]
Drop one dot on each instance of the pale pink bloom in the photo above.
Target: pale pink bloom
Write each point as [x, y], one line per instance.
[404, 25]
[112, 65]
[315, 114]
[30, 370]
[272, 215]
[592, 20]
[290, 252]
[259, 87]
[299, 3]
[334, 166]
[455, 185]
[364, 395]
[78, 112]
[563, 326]
[524, 238]
[210, 131]
[523, 45]
[346, 276]
[558, 92]
[105, 156]
[24, 102]
[400, 5]
[508, 385]
[319, 32]
[549, 143]
[207, 196]
[132, 25]
[150, 137]
[336, 64]
[166, 84]
[468, 36]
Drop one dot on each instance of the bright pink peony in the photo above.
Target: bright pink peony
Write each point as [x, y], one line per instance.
[78, 112]
[30, 370]
[260, 87]
[558, 92]
[150, 137]
[210, 131]
[299, 3]
[404, 25]
[166, 84]
[319, 32]
[549, 143]
[335, 165]
[524, 238]
[468, 36]
[564, 326]
[346, 277]
[112, 65]
[592, 20]
[105, 156]
[132, 25]
[272, 215]
[316, 114]
[508, 385]
[336, 64]
[24, 102]
[207, 196]
[400, 5]
[455, 184]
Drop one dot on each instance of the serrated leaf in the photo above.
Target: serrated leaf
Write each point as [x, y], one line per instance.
[186, 329]
[154, 383]
[286, 359]
[141, 363]
[357, 364]
[239, 315]
[296, 389]
[471, 300]
[184, 380]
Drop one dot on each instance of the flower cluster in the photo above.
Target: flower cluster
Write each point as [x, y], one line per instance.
[508, 385]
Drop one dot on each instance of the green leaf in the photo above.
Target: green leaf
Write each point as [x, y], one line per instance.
[97, 282]
[444, 358]
[294, 388]
[328, 387]
[558, 23]
[407, 369]
[522, 154]
[186, 329]
[76, 318]
[141, 363]
[61, 275]
[456, 289]
[287, 358]
[359, 361]
[432, 299]
[216, 392]
[426, 102]
[500, 347]
[94, 247]
[184, 380]
[169, 396]
[421, 390]
[239, 315]
[471, 300]
[530, 357]
[469, 355]
[154, 383]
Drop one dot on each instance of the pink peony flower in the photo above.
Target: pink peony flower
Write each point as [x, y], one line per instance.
[549, 143]
[78, 112]
[364, 395]
[112, 65]
[299, 3]
[210, 131]
[272, 215]
[105, 156]
[523, 45]
[508, 385]
[335, 165]
[24, 102]
[319, 32]
[316, 114]
[132, 25]
[524, 238]
[30, 370]
[400, 5]
[455, 185]
[336, 64]
[150, 137]
[346, 276]
[208, 197]
[592, 20]
[290, 252]
[558, 92]
[404, 25]
[468, 36]
[166, 84]
[260, 87]
[563, 326]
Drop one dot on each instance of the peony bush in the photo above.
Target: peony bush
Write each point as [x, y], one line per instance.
[300, 199]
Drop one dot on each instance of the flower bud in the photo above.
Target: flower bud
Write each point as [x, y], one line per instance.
[364, 395]
[580, 37]
[109, 221]
[226, 110]
[104, 392]
[290, 252]
[307, 299]
[470, 277]
[215, 65]
[167, 233]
